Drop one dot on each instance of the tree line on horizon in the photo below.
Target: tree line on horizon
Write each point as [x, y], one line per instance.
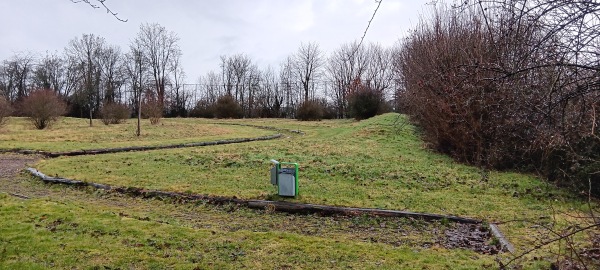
[92, 74]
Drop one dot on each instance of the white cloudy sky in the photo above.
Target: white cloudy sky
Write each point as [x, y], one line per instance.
[266, 30]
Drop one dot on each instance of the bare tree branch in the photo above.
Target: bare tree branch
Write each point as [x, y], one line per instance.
[548, 242]
[101, 2]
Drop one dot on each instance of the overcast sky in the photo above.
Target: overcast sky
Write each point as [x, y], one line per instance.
[266, 30]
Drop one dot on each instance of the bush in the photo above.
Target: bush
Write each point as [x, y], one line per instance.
[5, 110]
[114, 113]
[43, 107]
[464, 87]
[365, 102]
[310, 110]
[203, 109]
[228, 107]
[329, 110]
[153, 110]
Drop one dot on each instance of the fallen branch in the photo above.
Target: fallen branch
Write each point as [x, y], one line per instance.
[301, 208]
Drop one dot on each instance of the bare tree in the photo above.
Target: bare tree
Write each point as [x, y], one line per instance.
[111, 68]
[308, 63]
[289, 87]
[49, 73]
[84, 55]
[136, 71]
[15, 76]
[159, 49]
[270, 99]
[240, 79]
[345, 64]
[378, 74]
[179, 97]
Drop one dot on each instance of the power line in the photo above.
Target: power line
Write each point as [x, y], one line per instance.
[369, 24]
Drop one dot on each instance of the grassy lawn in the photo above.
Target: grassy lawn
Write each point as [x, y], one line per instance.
[368, 164]
[70, 134]
[380, 162]
[98, 231]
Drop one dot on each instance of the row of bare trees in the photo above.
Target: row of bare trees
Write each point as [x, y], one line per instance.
[91, 73]
[306, 75]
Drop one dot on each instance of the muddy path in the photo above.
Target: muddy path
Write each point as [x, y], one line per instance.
[11, 179]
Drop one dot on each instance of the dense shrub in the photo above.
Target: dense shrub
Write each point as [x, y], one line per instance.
[329, 110]
[228, 107]
[152, 109]
[43, 107]
[5, 110]
[365, 102]
[310, 110]
[203, 109]
[469, 87]
[114, 113]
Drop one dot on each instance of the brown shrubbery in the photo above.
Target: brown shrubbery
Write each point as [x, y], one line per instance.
[310, 110]
[228, 107]
[365, 102]
[482, 94]
[5, 110]
[152, 109]
[114, 113]
[203, 109]
[43, 107]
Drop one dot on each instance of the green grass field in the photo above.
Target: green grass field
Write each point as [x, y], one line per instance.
[70, 134]
[379, 162]
[75, 234]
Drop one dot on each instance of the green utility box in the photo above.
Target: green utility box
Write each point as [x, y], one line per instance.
[284, 175]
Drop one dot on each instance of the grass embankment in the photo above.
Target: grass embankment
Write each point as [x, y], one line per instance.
[69, 134]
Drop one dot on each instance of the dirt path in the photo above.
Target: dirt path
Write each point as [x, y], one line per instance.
[11, 182]
[11, 164]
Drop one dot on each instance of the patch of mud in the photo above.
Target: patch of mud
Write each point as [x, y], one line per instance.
[12, 164]
[476, 237]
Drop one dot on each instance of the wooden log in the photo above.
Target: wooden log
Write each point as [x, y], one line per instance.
[505, 245]
[282, 206]
[300, 208]
[57, 180]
